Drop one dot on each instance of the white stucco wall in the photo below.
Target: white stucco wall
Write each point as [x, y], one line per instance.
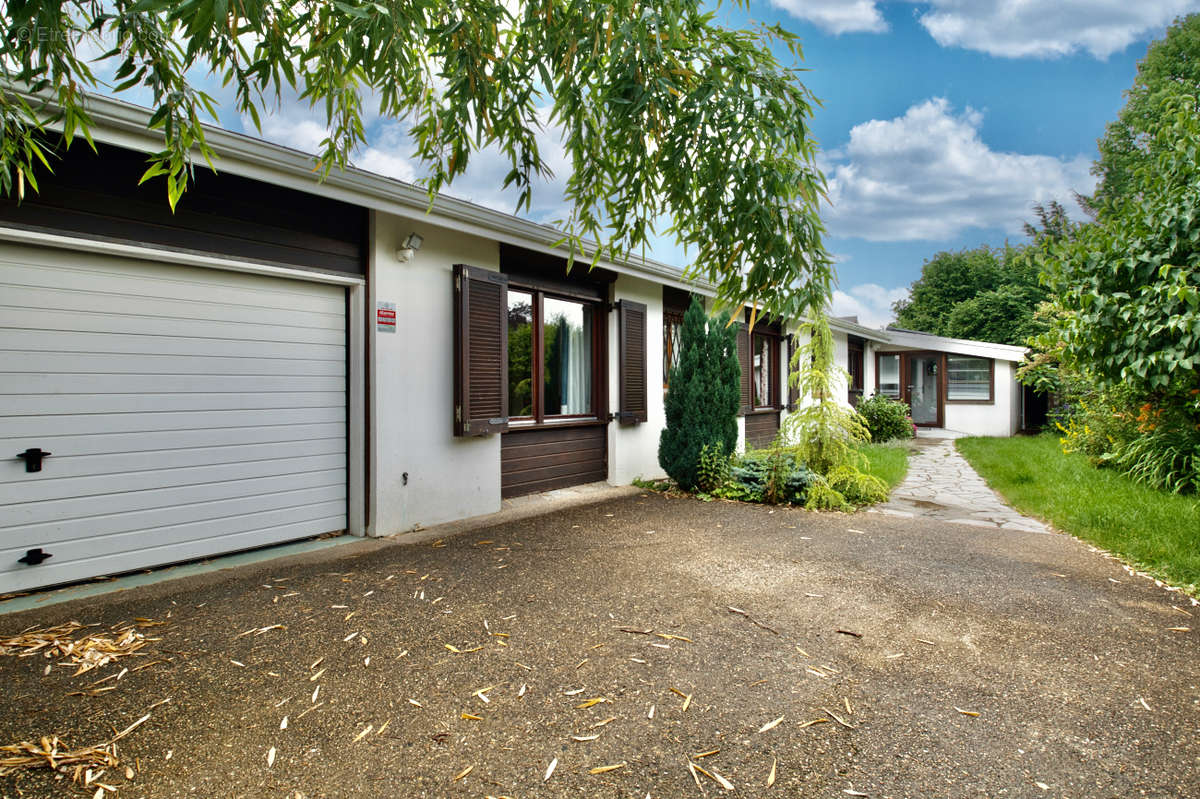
[412, 384]
[996, 419]
[633, 448]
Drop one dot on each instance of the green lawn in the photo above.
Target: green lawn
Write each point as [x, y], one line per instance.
[1156, 531]
[888, 462]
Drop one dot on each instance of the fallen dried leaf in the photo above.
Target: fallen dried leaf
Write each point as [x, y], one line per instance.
[771, 776]
[582, 738]
[966, 712]
[584, 705]
[605, 769]
[363, 734]
[271, 757]
[463, 773]
[709, 753]
[471, 717]
[814, 721]
[770, 725]
[550, 769]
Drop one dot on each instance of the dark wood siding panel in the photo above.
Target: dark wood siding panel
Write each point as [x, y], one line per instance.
[97, 195]
[743, 355]
[761, 428]
[480, 351]
[552, 457]
[631, 362]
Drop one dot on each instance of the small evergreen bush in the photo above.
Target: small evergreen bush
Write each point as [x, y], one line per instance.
[703, 396]
[775, 476]
[886, 418]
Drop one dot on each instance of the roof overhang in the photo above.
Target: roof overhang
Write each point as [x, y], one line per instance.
[125, 125]
[981, 349]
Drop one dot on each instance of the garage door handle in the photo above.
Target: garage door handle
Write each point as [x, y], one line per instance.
[33, 458]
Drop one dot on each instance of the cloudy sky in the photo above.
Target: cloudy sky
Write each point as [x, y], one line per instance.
[943, 122]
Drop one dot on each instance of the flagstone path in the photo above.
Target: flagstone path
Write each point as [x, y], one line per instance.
[941, 485]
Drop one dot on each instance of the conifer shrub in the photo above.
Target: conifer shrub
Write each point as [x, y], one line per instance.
[702, 396]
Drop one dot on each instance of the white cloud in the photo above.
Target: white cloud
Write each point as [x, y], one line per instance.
[870, 302]
[1008, 28]
[929, 175]
[837, 16]
[1036, 28]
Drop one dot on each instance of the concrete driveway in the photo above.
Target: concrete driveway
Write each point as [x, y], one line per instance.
[904, 658]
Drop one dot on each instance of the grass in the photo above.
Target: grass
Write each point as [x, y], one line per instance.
[888, 462]
[1156, 531]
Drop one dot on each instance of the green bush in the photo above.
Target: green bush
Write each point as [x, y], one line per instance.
[856, 487]
[774, 476]
[712, 470]
[886, 418]
[703, 396]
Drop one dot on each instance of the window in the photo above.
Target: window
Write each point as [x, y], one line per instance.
[766, 370]
[551, 369]
[968, 379]
[854, 365]
[889, 375]
[520, 354]
[567, 343]
[672, 330]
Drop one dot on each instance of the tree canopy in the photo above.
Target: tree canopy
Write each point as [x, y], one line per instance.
[665, 113]
[1128, 286]
[1171, 64]
[986, 293]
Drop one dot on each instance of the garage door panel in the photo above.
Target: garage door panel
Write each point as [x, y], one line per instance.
[189, 412]
[155, 307]
[71, 466]
[82, 507]
[55, 532]
[32, 427]
[148, 554]
[161, 384]
[53, 320]
[53, 404]
[107, 363]
[177, 439]
[131, 343]
[233, 289]
[145, 480]
[124, 540]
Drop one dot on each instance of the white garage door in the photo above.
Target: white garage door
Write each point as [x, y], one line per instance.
[188, 412]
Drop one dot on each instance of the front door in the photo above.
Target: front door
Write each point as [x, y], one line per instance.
[921, 388]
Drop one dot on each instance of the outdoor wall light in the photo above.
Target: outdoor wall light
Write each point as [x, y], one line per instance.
[410, 247]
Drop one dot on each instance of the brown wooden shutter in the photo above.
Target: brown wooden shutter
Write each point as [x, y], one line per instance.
[631, 362]
[793, 393]
[480, 351]
[746, 362]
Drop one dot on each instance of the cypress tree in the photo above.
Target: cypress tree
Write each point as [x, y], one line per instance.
[703, 395]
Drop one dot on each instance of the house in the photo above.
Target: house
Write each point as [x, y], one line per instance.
[282, 358]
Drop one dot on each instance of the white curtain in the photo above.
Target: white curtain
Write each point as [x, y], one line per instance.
[576, 373]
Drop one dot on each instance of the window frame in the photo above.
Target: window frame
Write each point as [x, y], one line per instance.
[540, 290]
[899, 356]
[991, 398]
[773, 399]
[671, 318]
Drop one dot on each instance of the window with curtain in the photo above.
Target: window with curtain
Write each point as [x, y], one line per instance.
[889, 376]
[550, 360]
[968, 378]
[567, 343]
[764, 371]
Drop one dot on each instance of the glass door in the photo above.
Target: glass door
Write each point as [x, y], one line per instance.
[922, 387]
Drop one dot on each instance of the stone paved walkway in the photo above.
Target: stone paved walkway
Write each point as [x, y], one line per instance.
[940, 484]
